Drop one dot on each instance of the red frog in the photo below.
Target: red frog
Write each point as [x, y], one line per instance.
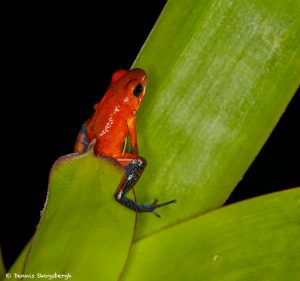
[114, 119]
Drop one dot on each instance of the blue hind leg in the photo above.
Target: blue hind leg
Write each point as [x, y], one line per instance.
[133, 171]
[81, 143]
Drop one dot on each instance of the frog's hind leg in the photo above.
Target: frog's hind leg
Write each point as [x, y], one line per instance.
[81, 143]
[133, 171]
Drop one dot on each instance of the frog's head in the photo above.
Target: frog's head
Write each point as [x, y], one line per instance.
[131, 85]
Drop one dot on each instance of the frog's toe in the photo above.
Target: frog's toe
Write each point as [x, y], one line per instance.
[153, 206]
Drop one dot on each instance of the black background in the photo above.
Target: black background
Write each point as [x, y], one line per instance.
[58, 61]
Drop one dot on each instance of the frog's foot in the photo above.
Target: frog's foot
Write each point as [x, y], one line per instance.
[133, 171]
[152, 207]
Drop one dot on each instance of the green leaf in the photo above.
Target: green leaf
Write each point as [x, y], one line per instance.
[221, 74]
[257, 239]
[82, 230]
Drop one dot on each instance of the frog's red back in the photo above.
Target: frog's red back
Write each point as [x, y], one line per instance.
[108, 125]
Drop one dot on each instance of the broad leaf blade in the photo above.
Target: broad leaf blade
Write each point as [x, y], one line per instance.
[256, 239]
[220, 75]
[83, 230]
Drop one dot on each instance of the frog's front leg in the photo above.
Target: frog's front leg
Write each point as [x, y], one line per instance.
[133, 171]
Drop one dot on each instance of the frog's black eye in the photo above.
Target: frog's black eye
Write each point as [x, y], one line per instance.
[138, 90]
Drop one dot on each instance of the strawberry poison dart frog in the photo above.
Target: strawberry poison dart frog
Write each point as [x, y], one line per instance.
[113, 120]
